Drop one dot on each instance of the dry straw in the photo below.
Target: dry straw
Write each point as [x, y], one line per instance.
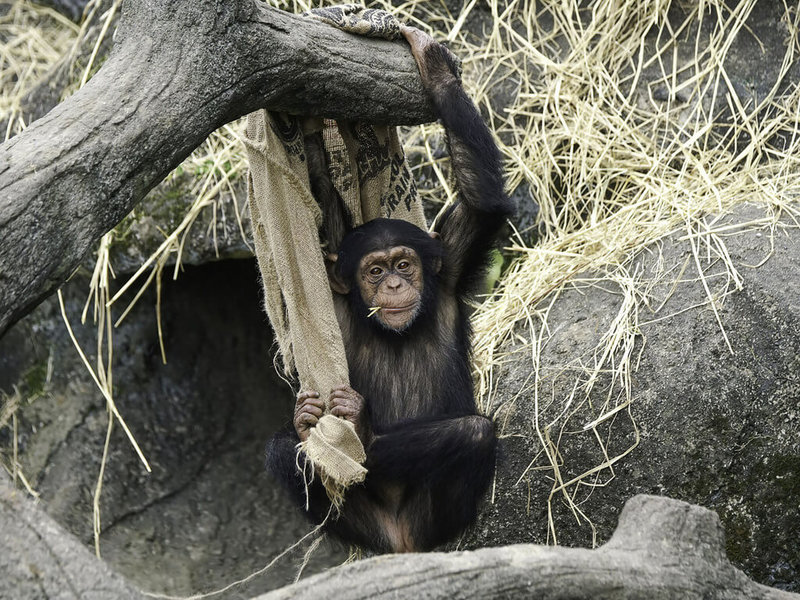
[613, 171]
[32, 39]
[612, 129]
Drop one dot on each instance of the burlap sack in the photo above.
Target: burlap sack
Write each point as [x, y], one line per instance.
[369, 169]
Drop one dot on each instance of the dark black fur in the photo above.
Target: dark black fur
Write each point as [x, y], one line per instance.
[428, 442]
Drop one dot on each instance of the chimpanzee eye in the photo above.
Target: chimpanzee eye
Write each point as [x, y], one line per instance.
[403, 265]
[375, 271]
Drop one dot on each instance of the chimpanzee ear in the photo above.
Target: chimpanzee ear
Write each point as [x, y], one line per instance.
[338, 285]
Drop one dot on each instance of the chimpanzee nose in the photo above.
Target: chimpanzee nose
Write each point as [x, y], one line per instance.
[394, 282]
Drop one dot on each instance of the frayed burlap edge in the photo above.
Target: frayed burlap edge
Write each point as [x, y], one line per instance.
[369, 169]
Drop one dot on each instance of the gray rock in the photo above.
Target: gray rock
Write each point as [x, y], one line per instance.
[662, 549]
[218, 233]
[716, 429]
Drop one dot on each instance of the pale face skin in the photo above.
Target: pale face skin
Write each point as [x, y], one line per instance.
[392, 279]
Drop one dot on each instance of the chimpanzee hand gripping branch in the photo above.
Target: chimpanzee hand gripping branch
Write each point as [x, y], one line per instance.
[400, 295]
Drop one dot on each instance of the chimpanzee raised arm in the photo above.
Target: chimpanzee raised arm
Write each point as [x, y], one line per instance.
[401, 301]
[470, 226]
[336, 219]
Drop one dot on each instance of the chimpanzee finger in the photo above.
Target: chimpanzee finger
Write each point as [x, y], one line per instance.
[348, 401]
[343, 411]
[310, 409]
[344, 392]
[414, 36]
[304, 397]
[307, 419]
[315, 402]
[311, 398]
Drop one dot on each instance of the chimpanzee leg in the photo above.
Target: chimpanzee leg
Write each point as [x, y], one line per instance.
[424, 481]
[430, 448]
[445, 467]
[362, 519]
[282, 463]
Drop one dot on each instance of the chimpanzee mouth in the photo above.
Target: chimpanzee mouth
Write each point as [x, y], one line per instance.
[397, 309]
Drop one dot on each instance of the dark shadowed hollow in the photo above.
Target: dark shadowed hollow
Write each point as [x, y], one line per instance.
[208, 514]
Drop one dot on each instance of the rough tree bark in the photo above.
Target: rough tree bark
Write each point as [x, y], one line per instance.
[663, 549]
[39, 560]
[179, 70]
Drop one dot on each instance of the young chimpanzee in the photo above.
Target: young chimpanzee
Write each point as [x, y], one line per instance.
[430, 457]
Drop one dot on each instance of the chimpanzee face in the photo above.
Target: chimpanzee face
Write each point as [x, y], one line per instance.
[391, 283]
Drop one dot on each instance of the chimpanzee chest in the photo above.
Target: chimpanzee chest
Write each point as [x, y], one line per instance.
[412, 382]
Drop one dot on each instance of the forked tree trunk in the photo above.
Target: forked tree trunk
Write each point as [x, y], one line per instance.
[179, 70]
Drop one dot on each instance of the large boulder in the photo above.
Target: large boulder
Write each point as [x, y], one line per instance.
[713, 401]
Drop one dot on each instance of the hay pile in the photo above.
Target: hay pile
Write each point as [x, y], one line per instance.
[623, 139]
[619, 120]
[32, 40]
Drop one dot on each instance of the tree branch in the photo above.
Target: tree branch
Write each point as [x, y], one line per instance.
[663, 549]
[179, 70]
